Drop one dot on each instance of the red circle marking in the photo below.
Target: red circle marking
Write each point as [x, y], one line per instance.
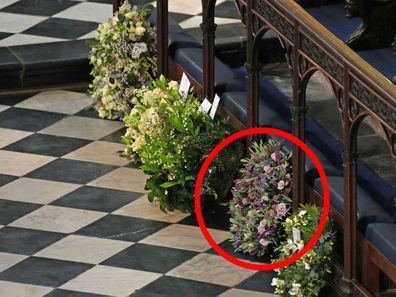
[197, 196]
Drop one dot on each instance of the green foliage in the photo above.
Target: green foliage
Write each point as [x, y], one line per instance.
[172, 137]
[307, 276]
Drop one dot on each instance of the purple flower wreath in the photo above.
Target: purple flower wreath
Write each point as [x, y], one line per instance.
[261, 199]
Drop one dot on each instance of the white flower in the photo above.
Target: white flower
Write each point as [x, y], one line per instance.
[107, 100]
[102, 112]
[307, 266]
[173, 85]
[277, 282]
[295, 290]
[130, 14]
[106, 26]
[116, 36]
[140, 31]
[302, 213]
[139, 142]
[138, 49]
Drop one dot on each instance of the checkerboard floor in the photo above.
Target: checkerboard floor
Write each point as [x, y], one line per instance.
[44, 21]
[75, 220]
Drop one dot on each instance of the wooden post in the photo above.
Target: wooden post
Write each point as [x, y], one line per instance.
[252, 69]
[162, 37]
[349, 157]
[298, 111]
[208, 28]
[116, 5]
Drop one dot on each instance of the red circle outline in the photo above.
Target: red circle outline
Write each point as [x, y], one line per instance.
[326, 198]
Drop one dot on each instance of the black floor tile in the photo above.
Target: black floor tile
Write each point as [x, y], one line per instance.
[4, 35]
[13, 210]
[116, 136]
[39, 7]
[167, 286]
[111, 1]
[49, 145]
[122, 228]
[222, 31]
[44, 272]
[227, 9]
[215, 217]
[62, 28]
[67, 293]
[133, 165]
[28, 119]
[12, 99]
[179, 17]
[89, 112]
[149, 258]
[227, 247]
[26, 241]
[99, 199]
[260, 282]
[71, 171]
[5, 179]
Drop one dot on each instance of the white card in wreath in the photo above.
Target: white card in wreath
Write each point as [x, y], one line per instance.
[215, 104]
[296, 234]
[205, 106]
[184, 86]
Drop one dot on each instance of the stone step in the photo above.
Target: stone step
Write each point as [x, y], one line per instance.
[28, 66]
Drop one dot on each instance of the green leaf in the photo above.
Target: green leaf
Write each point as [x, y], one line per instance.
[150, 167]
[175, 120]
[126, 140]
[121, 17]
[168, 184]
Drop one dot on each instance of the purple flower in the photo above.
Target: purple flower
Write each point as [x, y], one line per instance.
[267, 168]
[264, 242]
[281, 209]
[261, 229]
[264, 198]
[271, 213]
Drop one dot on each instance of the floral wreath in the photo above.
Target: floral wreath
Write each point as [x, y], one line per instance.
[123, 58]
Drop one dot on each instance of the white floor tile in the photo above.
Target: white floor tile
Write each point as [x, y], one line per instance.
[21, 39]
[15, 23]
[88, 11]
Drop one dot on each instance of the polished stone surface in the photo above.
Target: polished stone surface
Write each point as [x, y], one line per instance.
[184, 237]
[75, 219]
[212, 269]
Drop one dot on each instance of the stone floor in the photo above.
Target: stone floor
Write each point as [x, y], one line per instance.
[25, 22]
[75, 220]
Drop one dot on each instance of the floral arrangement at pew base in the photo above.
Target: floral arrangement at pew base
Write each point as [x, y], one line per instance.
[171, 137]
[123, 58]
[261, 199]
[307, 276]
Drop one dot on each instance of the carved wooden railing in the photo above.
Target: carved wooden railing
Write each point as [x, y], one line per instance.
[360, 90]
